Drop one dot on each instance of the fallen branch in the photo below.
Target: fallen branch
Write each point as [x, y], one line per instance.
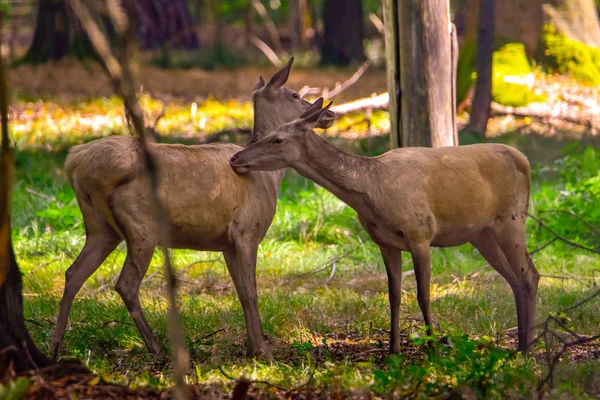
[536, 110]
[377, 102]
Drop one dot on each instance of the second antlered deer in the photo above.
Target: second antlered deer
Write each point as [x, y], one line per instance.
[209, 207]
[410, 199]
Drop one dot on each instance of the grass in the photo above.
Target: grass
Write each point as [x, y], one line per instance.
[323, 290]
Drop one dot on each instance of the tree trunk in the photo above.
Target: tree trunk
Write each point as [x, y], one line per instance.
[16, 346]
[57, 34]
[420, 49]
[522, 21]
[166, 23]
[14, 337]
[480, 110]
[343, 32]
[299, 11]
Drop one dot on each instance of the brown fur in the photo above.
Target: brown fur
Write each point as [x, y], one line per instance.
[208, 205]
[412, 198]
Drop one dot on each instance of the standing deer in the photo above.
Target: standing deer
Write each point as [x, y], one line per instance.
[410, 199]
[209, 208]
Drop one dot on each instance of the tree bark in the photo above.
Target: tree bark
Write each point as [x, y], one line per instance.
[14, 337]
[16, 346]
[57, 34]
[298, 11]
[166, 22]
[522, 21]
[480, 109]
[343, 32]
[423, 75]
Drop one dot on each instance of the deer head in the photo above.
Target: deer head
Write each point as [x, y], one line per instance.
[284, 146]
[275, 105]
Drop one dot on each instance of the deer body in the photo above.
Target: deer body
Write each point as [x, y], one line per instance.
[198, 219]
[209, 207]
[413, 198]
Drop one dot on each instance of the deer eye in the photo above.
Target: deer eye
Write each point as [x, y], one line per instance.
[278, 140]
[296, 96]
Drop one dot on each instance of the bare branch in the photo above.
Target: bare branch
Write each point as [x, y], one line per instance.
[349, 82]
[267, 51]
[577, 217]
[562, 238]
[262, 11]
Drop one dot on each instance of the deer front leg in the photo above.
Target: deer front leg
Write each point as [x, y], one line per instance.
[97, 247]
[421, 256]
[241, 263]
[392, 258]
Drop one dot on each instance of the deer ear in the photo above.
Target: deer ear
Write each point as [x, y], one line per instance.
[313, 107]
[259, 84]
[281, 76]
[312, 120]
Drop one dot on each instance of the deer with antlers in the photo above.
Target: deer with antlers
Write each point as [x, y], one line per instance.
[209, 208]
[410, 199]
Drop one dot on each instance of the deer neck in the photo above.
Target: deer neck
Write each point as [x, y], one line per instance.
[343, 174]
[263, 125]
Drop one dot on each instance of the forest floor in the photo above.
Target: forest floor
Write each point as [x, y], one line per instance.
[322, 284]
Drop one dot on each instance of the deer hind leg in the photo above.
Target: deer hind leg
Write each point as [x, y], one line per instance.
[141, 237]
[421, 255]
[101, 240]
[241, 263]
[488, 245]
[510, 235]
[392, 258]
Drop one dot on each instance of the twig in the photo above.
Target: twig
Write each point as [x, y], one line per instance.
[267, 51]
[571, 213]
[349, 82]
[51, 199]
[562, 238]
[542, 247]
[377, 23]
[253, 381]
[212, 334]
[578, 304]
[262, 11]
[122, 76]
[328, 264]
[46, 264]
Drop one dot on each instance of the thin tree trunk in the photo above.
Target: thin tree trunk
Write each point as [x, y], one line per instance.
[343, 32]
[298, 10]
[480, 108]
[16, 346]
[57, 34]
[422, 78]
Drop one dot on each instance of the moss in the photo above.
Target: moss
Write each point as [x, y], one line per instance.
[509, 59]
[568, 56]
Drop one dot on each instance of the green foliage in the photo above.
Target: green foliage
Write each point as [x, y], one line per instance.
[459, 365]
[577, 192]
[509, 60]
[569, 56]
[14, 389]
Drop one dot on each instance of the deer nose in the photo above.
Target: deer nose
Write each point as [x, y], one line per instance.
[234, 157]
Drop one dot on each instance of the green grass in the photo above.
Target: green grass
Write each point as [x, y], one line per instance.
[342, 312]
